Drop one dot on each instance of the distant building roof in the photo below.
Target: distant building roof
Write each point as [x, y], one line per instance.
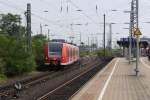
[144, 42]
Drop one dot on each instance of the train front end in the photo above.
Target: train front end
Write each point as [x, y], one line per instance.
[53, 53]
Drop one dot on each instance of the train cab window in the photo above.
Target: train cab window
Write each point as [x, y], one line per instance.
[55, 49]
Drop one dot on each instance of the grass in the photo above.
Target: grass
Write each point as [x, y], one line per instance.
[3, 78]
[83, 54]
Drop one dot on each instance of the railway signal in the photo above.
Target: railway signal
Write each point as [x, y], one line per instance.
[18, 88]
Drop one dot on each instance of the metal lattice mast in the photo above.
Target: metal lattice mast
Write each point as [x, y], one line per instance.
[28, 17]
[131, 27]
[134, 15]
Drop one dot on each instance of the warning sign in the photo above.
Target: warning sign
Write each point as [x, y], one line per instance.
[137, 32]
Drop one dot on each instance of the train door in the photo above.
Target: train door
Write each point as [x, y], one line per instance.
[74, 58]
[70, 54]
[64, 55]
[67, 54]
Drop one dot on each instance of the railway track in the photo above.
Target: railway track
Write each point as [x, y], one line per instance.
[8, 91]
[67, 89]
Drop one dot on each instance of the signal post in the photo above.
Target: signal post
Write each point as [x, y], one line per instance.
[137, 34]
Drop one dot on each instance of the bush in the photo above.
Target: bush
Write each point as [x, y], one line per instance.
[19, 65]
[14, 59]
[3, 52]
[3, 78]
[37, 44]
[2, 64]
[19, 61]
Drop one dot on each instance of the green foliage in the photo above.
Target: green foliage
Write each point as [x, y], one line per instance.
[9, 24]
[2, 64]
[2, 78]
[100, 53]
[37, 43]
[15, 59]
[83, 53]
[3, 52]
[19, 61]
[19, 66]
[93, 53]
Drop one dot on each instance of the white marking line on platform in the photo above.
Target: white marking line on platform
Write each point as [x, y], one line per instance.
[146, 65]
[103, 70]
[107, 82]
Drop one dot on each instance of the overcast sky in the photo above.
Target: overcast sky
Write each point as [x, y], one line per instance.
[59, 22]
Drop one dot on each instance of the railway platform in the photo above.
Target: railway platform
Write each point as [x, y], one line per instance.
[117, 81]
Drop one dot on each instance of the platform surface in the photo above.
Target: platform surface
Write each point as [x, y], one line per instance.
[117, 81]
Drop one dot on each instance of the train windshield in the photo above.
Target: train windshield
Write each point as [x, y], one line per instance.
[55, 49]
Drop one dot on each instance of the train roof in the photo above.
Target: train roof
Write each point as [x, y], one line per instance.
[58, 40]
[61, 41]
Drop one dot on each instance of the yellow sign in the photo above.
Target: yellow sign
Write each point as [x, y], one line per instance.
[137, 32]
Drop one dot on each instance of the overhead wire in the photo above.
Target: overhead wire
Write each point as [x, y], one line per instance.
[47, 20]
[61, 10]
[35, 15]
[11, 6]
[82, 11]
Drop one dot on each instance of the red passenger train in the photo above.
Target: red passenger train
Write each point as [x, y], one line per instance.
[58, 53]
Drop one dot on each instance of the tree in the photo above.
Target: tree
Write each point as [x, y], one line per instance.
[14, 60]
[3, 51]
[10, 25]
